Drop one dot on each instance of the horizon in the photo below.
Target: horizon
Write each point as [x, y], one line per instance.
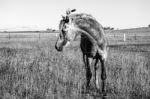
[43, 14]
[56, 30]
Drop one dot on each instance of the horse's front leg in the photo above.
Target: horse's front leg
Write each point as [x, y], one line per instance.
[87, 62]
[96, 74]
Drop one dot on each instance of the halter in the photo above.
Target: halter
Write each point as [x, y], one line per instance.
[68, 12]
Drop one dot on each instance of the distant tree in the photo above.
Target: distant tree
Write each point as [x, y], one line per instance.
[112, 28]
[49, 29]
[148, 25]
[108, 28]
[52, 30]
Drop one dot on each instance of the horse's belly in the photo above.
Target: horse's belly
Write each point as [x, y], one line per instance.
[89, 51]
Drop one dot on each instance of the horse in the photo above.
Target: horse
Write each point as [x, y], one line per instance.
[93, 43]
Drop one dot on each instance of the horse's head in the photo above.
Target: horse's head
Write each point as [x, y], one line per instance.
[65, 33]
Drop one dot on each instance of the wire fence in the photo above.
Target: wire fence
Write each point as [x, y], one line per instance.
[113, 38]
[29, 35]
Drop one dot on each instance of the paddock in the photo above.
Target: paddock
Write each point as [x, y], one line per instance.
[31, 68]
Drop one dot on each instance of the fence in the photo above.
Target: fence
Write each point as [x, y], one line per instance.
[128, 37]
[115, 38]
[27, 34]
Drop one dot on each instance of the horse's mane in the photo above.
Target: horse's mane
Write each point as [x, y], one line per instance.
[81, 15]
[89, 24]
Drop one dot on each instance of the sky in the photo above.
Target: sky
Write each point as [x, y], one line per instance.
[43, 14]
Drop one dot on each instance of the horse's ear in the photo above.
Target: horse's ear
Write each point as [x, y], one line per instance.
[63, 17]
[73, 10]
[68, 11]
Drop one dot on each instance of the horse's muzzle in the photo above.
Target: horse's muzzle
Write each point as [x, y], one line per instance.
[58, 48]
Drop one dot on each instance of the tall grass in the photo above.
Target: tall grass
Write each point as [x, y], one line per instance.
[128, 72]
[35, 70]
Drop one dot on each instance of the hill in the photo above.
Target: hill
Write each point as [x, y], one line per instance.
[131, 30]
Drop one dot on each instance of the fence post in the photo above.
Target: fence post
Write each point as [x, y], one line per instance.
[135, 37]
[114, 35]
[124, 37]
[39, 36]
[9, 35]
[56, 34]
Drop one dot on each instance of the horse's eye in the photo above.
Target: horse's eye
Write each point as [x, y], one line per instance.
[64, 30]
[63, 33]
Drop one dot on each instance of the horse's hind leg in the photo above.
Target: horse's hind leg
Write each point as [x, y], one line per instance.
[102, 58]
[103, 75]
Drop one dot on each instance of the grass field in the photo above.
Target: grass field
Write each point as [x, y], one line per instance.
[33, 69]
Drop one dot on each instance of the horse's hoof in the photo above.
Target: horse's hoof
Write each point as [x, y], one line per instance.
[85, 90]
[104, 94]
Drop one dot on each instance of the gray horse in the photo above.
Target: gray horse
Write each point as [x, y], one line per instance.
[93, 43]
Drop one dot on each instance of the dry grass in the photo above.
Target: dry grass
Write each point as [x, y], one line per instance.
[128, 72]
[35, 70]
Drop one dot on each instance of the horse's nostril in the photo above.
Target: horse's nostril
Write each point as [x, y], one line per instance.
[55, 47]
